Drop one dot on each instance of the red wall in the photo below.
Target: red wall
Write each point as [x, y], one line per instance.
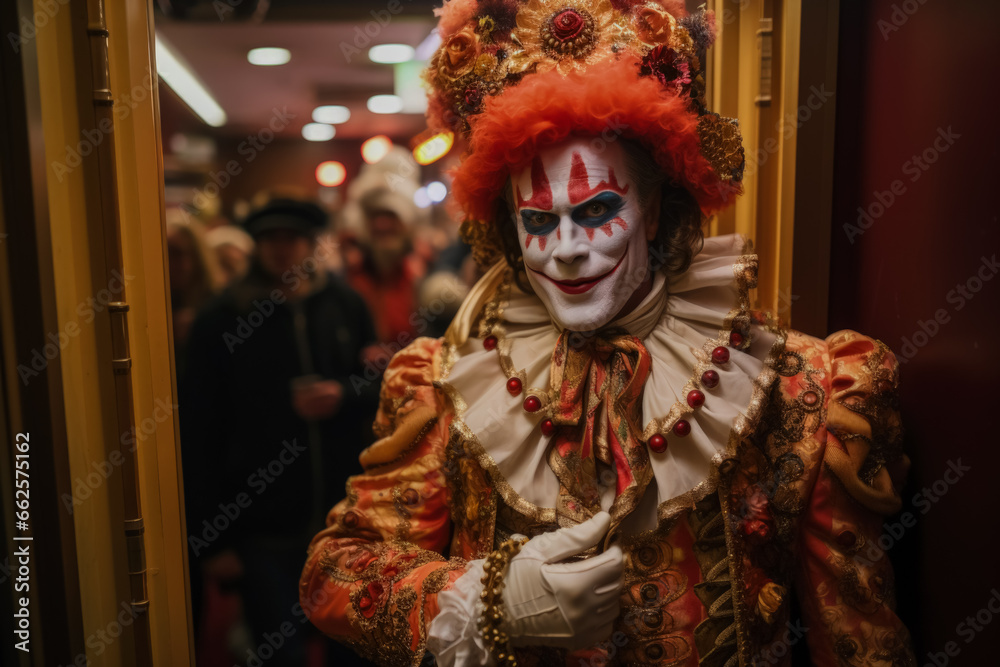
[909, 72]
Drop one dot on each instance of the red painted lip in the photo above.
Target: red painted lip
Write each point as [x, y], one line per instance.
[581, 285]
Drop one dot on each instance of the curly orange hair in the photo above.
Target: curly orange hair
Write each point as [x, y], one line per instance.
[609, 102]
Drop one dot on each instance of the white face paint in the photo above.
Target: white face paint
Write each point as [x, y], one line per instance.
[582, 231]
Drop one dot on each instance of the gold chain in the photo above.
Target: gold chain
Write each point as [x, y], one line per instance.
[491, 621]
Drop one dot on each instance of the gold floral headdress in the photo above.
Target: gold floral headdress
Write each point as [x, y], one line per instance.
[505, 64]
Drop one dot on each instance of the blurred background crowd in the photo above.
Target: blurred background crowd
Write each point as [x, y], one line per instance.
[284, 319]
[307, 243]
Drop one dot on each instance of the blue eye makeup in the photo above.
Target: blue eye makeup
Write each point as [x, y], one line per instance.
[592, 213]
[538, 223]
[598, 210]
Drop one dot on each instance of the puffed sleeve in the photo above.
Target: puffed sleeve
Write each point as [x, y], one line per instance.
[848, 597]
[372, 577]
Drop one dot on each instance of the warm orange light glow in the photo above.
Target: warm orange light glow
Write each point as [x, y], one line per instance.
[434, 148]
[331, 173]
[376, 148]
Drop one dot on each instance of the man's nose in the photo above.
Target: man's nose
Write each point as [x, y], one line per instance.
[570, 243]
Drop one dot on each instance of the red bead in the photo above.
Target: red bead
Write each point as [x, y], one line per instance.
[710, 379]
[810, 398]
[682, 428]
[365, 603]
[548, 428]
[720, 355]
[514, 386]
[736, 339]
[695, 398]
[658, 443]
[532, 404]
[490, 342]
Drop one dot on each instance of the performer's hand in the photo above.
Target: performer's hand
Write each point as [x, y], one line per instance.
[318, 400]
[570, 605]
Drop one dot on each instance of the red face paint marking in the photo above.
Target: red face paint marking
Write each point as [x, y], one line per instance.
[579, 183]
[590, 233]
[541, 193]
[541, 242]
[559, 233]
[606, 227]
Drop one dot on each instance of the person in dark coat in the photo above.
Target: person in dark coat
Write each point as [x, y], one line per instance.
[273, 407]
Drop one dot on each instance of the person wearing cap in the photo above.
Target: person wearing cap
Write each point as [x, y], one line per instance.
[610, 458]
[272, 416]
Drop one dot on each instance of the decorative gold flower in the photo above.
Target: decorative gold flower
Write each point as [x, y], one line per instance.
[487, 25]
[769, 600]
[458, 55]
[486, 65]
[681, 42]
[653, 24]
[561, 34]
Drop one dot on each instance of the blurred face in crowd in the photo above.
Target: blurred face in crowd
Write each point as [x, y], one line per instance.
[281, 250]
[389, 238]
[583, 232]
[232, 260]
[182, 260]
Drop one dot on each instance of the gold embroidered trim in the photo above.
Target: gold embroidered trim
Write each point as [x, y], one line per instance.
[459, 428]
[447, 355]
[736, 560]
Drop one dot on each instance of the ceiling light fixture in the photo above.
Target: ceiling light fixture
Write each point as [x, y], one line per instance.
[390, 54]
[318, 132]
[385, 104]
[268, 56]
[188, 88]
[331, 114]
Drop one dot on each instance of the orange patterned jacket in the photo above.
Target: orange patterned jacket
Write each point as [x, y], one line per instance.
[783, 553]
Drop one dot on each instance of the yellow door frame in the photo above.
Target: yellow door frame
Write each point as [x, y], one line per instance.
[781, 89]
[112, 384]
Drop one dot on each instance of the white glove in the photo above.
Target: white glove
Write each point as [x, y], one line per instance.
[569, 605]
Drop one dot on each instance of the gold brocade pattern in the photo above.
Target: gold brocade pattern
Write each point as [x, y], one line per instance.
[471, 498]
[722, 145]
[382, 620]
[710, 584]
[658, 611]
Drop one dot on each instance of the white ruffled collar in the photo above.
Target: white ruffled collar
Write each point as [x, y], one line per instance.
[679, 322]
